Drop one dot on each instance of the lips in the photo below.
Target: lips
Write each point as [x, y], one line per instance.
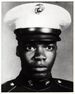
[39, 69]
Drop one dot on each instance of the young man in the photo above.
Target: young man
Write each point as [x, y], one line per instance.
[38, 26]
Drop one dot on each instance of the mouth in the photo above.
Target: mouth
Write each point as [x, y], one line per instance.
[39, 72]
[40, 69]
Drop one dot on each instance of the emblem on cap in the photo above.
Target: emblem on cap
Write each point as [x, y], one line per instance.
[39, 8]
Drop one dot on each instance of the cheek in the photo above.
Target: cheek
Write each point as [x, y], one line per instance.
[50, 57]
[28, 56]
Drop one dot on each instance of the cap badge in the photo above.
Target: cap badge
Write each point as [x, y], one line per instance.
[39, 8]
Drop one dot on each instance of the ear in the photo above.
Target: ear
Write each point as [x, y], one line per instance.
[56, 46]
[17, 51]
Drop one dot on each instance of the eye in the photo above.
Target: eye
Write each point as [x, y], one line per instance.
[50, 47]
[30, 48]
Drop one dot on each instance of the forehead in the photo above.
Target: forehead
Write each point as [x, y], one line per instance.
[39, 42]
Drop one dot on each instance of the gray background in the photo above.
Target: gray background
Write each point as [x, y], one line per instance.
[63, 67]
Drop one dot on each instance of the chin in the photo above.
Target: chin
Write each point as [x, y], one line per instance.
[39, 75]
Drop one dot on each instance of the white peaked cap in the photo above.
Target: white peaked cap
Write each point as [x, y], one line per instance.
[38, 15]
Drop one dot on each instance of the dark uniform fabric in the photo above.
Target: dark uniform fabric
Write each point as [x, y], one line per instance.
[48, 85]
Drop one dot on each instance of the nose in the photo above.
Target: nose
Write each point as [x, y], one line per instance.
[40, 54]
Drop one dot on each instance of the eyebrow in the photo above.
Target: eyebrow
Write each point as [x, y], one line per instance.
[39, 42]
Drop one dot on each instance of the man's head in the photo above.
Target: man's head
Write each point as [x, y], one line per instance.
[37, 29]
[38, 52]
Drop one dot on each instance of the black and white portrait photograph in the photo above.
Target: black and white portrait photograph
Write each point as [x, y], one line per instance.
[37, 46]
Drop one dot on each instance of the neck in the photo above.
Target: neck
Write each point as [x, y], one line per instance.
[22, 79]
[27, 77]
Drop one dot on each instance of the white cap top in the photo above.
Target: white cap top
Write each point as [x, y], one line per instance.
[38, 15]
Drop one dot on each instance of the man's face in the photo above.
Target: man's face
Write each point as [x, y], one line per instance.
[38, 58]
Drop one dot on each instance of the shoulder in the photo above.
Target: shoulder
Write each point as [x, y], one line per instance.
[8, 86]
[64, 84]
[58, 85]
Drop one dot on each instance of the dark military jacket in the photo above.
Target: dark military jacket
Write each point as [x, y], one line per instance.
[48, 85]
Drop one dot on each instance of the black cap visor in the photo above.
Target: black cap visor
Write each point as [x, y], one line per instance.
[37, 35]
